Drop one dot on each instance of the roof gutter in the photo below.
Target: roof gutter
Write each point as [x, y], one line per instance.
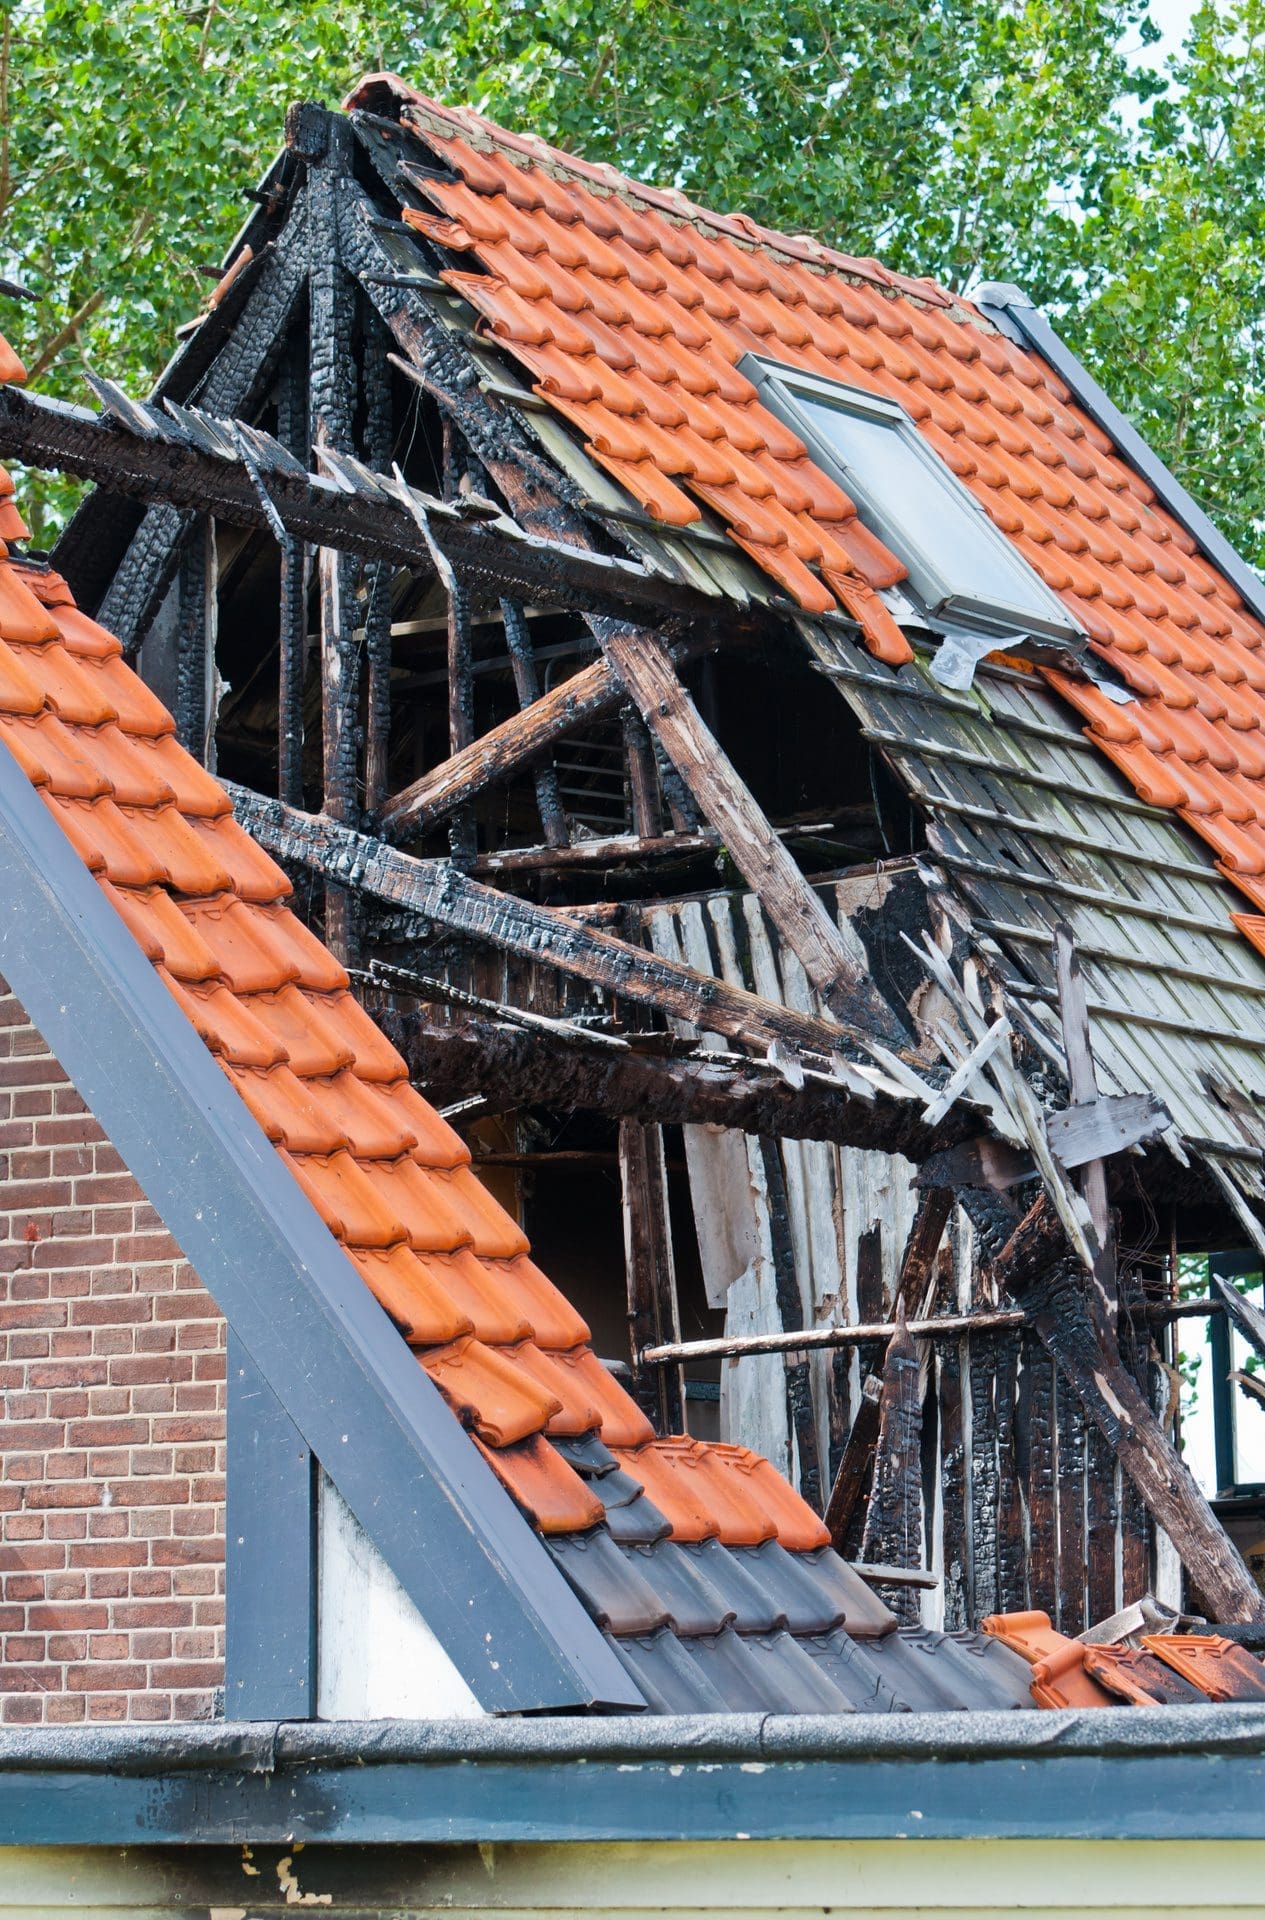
[1013, 314]
[480, 1577]
[1171, 1773]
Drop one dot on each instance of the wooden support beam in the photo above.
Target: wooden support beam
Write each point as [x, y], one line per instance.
[1035, 1268]
[837, 971]
[517, 1066]
[292, 433]
[239, 373]
[940, 1326]
[461, 828]
[332, 394]
[1244, 1313]
[522, 657]
[524, 741]
[1083, 1086]
[643, 776]
[801, 1416]
[854, 1464]
[653, 1314]
[195, 641]
[378, 452]
[893, 1518]
[438, 892]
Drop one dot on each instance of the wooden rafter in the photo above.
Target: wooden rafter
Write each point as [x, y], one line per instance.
[438, 892]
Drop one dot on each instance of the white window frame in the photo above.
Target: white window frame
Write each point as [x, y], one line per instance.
[780, 387]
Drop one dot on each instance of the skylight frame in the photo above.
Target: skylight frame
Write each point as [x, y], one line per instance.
[782, 389]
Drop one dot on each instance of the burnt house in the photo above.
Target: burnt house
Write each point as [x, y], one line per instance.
[577, 736]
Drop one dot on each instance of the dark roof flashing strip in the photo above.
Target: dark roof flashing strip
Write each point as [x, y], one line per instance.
[477, 1572]
[1013, 314]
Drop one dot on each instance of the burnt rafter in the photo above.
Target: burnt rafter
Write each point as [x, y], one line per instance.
[438, 892]
[188, 462]
[442, 364]
[514, 1066]
[1035, 1268]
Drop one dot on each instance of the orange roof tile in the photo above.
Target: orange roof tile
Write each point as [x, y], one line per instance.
[629, 307]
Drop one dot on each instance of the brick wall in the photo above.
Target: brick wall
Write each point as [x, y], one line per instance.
[111, 1424]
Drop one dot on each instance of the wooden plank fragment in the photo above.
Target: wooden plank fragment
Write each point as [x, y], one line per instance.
[854, 1467]
[837, 971]
[653, 1314]
[1034, 1268]
[1084, 1135]
[438, 892]
[1083, 1083]
[893, 1519]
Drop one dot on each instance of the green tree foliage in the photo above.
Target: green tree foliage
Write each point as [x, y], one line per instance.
[963, 139]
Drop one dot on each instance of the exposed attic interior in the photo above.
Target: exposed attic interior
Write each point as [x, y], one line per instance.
[568, 779]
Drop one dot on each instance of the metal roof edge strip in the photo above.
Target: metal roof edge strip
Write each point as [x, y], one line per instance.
[847, 1776]
[451, 1534]
[1010, 309]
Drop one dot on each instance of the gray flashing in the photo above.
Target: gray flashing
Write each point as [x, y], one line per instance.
[1013, 314]
[1005, 1775]
[451, 1534]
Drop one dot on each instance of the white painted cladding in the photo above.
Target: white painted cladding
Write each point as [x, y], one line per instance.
[376, 1657]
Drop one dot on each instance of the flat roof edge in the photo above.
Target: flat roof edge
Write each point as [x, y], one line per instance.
[1171, 1773]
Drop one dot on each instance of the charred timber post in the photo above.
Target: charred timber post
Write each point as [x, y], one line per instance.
[837, 971]
[195, 638]
[893, 1519]
[650, 1271]
[1035, 1268]
[518, 645]
[854, 1464]
[293, 433]
[378, 450]
[332, 302]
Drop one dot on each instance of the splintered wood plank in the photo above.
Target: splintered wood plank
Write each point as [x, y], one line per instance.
[1070, 1615]
[653, 1315]
[1083, 1083]
[893, 1518]
[1011, 1556]
[1103, 1525]
[1035, 1269]
[1042, 1494]
[959, 1609]
[439, 892]
[837, 970]
[844, 1508]
[981, 1374]
[799, 1395]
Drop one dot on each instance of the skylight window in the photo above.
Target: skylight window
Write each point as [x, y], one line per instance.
[961, 568]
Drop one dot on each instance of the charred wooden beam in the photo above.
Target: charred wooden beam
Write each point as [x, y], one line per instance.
[195, 639]
[236, 376]
[643, 776]
[332, 388]
[1083, 1086]
[854, 1464]
[293, 435]
[516, 744]
[378, 450]
[188, 464]
[518, 645]
[1034, 1267]
[838, 972]
[438, 892]
[893, 1518]
[801, 1417]
[653, 1314]
[517, 1067]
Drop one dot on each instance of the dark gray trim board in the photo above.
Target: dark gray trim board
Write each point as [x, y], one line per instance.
[1193, 1773]
[1010, 310]
[337, 1366]
[270, 1547]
